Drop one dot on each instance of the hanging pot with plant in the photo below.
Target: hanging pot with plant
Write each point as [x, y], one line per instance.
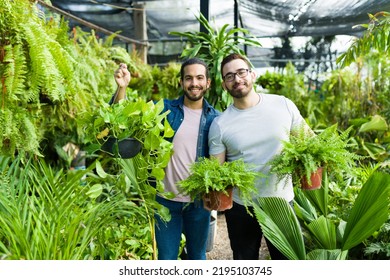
[125, 148]
[123, 129]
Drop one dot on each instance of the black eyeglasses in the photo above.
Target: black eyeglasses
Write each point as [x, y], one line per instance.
[242, 73]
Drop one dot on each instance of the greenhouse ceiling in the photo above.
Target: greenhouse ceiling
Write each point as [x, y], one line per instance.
[263, 18]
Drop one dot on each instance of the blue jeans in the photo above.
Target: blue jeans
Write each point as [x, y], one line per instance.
[188, 218]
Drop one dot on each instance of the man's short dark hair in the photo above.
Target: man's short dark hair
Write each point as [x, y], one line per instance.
[191, 61]
[234, 56]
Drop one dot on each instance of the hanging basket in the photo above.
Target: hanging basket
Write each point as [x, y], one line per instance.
[125, 148]
[217, 200]
[315, 178]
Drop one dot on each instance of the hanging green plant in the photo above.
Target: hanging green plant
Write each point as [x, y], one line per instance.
[141, 120]
[375, 39]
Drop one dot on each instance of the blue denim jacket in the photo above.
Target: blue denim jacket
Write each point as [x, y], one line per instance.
[176, 116]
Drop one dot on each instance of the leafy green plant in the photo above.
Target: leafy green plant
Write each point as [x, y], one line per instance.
[369, 53]
[141, 120]
[288, 83]
[132, 236]
[271, 81]
[50, 214]
[168, 81]
[379, 245]
[136, 119]
[49, 75]
[304, 153]
[330, 240]
[209, 175]
[212, 46]
[374, 39]
[145, 122]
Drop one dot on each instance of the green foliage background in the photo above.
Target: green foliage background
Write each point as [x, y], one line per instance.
[50, 76]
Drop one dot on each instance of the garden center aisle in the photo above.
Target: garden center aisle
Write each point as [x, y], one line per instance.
[221, 248]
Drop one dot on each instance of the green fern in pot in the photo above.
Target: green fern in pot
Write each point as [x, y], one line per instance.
[208, 175]
[306, 153]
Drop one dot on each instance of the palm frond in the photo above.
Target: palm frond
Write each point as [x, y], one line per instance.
[324, 232]
[370, 211]
[319, 198]
[281, 226]
[303, 208]
[320, 254]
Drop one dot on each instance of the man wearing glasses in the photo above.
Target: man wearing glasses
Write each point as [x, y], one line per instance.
[252, 128]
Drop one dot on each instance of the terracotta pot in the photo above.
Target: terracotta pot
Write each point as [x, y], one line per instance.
[315, 178]
[126, 148]
[217, 200]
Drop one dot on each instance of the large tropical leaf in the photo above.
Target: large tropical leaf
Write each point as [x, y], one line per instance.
[370, 211]
[376, 123]
[324, 232]
[281, 226]
[303, 208]
[320, 254]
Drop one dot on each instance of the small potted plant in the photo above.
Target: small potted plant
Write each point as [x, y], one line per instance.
[306, 155]
[211, 180]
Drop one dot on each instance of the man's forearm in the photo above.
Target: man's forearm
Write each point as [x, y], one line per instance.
[119, 94]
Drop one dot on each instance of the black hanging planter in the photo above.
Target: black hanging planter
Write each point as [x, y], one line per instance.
[125, 148]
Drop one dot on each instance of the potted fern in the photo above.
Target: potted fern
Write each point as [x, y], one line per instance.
[306, 155]
[214, 182]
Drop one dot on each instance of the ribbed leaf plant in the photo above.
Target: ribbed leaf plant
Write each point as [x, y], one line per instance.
[310, 233]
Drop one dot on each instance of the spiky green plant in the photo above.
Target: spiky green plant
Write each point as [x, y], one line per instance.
[50, 214]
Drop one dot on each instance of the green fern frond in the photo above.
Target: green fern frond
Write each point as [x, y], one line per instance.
[8, 136]
[15, 70]
[18, 132]
[45, 76]
[30, 133]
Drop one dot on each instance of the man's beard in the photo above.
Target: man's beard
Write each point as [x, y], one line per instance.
[195, 98]
[240, 93]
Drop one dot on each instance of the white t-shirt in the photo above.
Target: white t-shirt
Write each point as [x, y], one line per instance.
[255, 135]
[184, 153]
